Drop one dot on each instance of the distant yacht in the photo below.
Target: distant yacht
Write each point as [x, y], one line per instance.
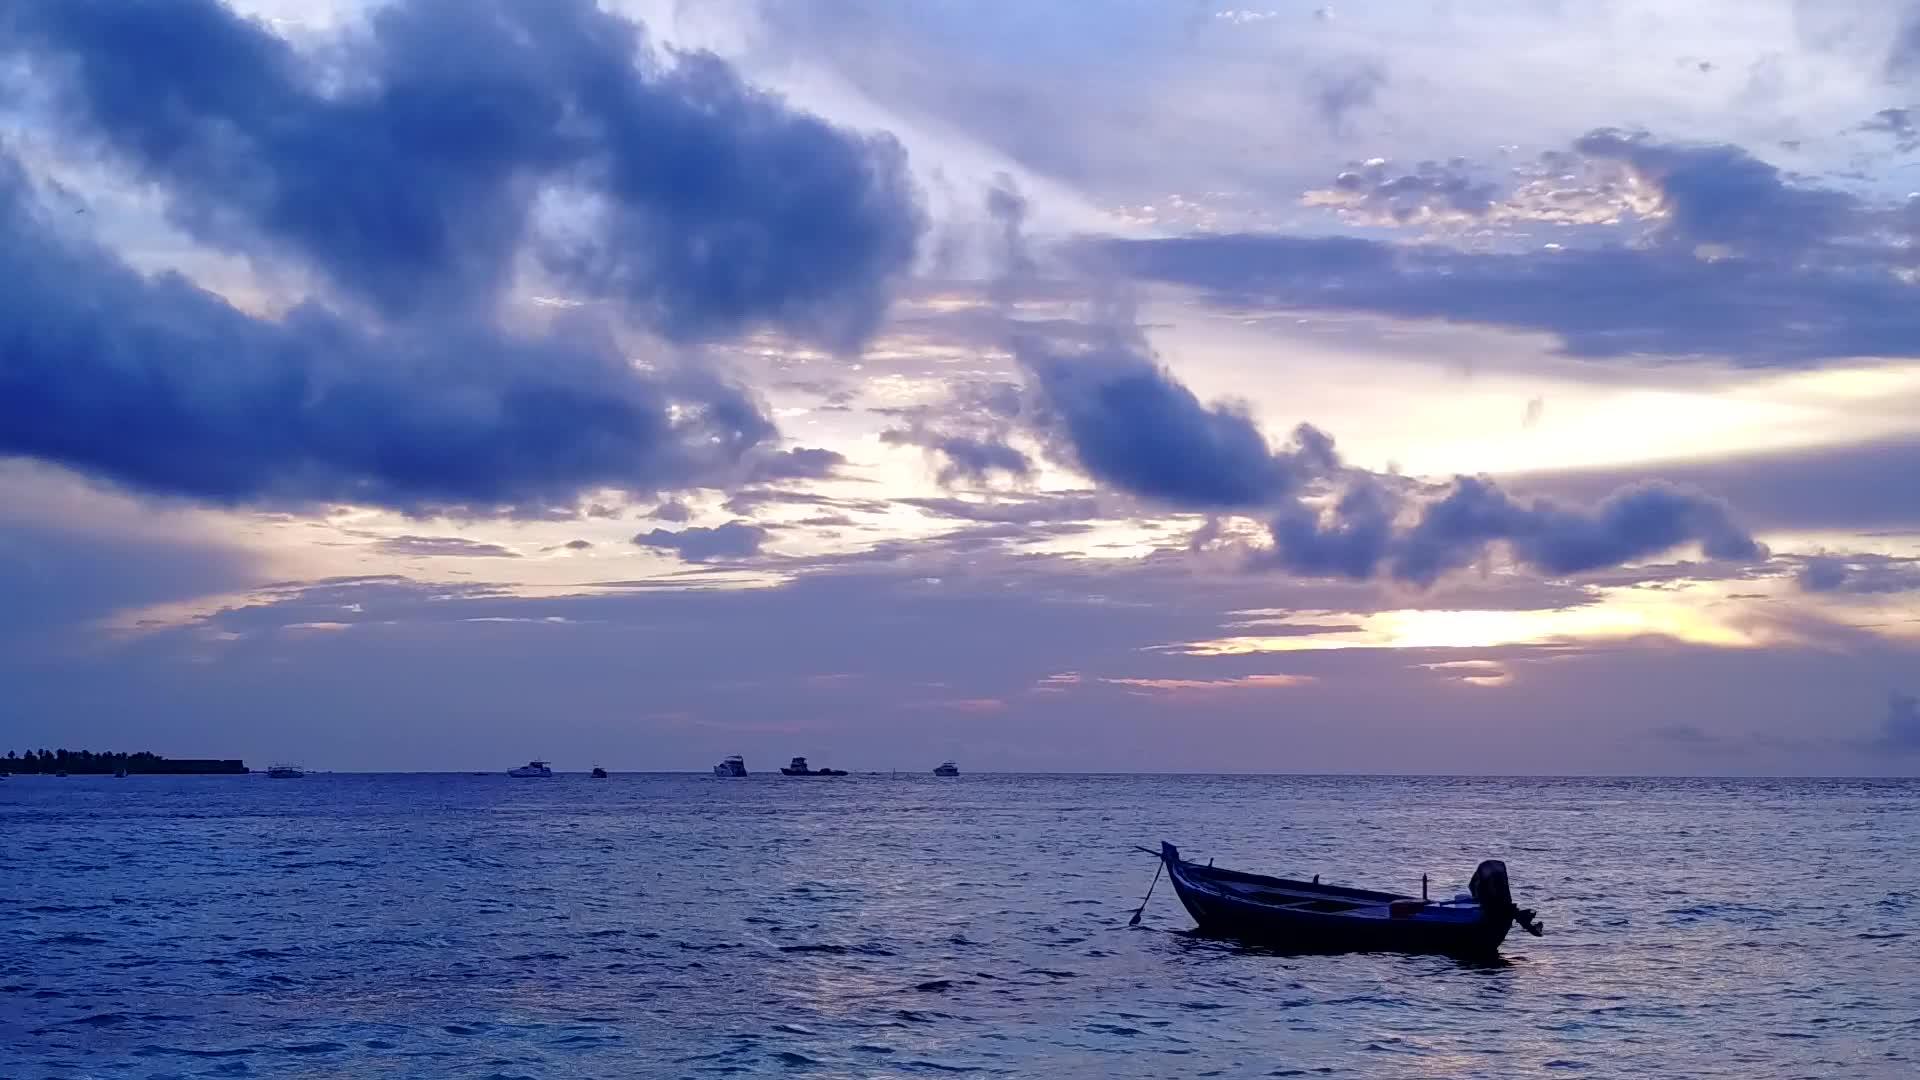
[733, 765]
[799, 768]
[599, 773]
[120, 773]
[947, 768]
[531, 769]
[285, 772]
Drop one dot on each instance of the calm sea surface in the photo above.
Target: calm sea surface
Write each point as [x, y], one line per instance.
[469, 926]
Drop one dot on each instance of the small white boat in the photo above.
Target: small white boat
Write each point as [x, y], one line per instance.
[285, 772]
[947, 768]
[733, 765]
[532, 769]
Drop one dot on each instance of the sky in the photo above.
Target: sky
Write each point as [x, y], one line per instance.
[1142, 385]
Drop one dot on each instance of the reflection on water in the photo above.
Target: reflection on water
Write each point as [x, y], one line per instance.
[679, 926]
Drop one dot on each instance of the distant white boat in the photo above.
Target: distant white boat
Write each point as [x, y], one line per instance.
[733, 765]
[285, 772]
[532, 769]
[947, 768]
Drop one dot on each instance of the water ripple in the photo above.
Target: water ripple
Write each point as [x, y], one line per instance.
[462, 926]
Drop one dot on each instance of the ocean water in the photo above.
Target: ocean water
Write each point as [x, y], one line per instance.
[873, 926]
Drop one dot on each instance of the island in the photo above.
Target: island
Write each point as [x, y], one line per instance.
[87, 762]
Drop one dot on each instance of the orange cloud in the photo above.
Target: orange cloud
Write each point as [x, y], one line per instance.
[1485, 673]
[965, 705]
[1208, 686]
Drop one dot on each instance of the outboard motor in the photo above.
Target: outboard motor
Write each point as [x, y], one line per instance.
[1489, 887]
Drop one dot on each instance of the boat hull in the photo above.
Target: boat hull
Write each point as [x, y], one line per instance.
[1219, 907]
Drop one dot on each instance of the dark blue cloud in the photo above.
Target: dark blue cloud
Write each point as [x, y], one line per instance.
[1903, 59]
[1720, 194]
[799, 463]
[1856, 486]
[1118, 415]
[1859, 574]
[56, 578]
[160, 386]
[1633, 523]
[1897, 125]
[1111, 410]
[1351, 544]
[403, 161]
[1605, 302]
[1379, 526]
[1802, 274]
[671, 510]
[1900, 732]
[974, 458]
[1342, 89]
[734, 540]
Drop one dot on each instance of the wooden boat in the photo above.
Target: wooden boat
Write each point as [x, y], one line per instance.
[1308, 917]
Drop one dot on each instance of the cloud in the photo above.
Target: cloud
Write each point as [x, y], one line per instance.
[56, 576]
[1628, 525]
[1195, 687]
[1341, 89]
[160, 386]
[1850, 486]
[962, 705]
[1367, 531]
[413, 163]
[1897, 125]
[800, 463]
[1112, 410]
[1013, 509]
[578, 545]
[1373, 192]
[1900, 733]
[671, 510]
[1349, 541]
[405, 159]
[965, 457]
[1903, 59]
[444, 547]
[1659, 302]
[1738, 263]
[734, 540]
[751, 500]
[1018, 619]
[1863, 574]
[1719, 194]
